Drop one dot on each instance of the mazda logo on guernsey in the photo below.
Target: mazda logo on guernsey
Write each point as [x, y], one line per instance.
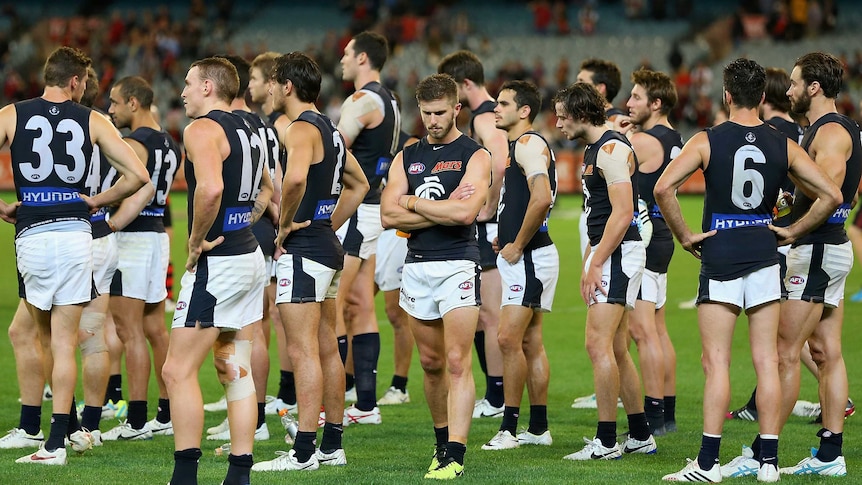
[467, 285]
[284, 282]
[796, 280]
[516, 288]
[181, 305]
[416, 168]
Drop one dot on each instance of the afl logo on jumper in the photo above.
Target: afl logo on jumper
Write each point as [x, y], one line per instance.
[516, 288]
[467, 285]
[284, 282]
[181, 305]
[416, 168]
[796, 280]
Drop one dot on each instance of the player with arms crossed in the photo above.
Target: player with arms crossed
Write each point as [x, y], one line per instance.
[469, 73]
[440, 280]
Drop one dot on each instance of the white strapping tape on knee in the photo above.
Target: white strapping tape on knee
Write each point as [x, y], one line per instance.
[241, 384]
[94, 324]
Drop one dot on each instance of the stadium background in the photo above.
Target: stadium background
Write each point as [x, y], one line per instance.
[542, 41]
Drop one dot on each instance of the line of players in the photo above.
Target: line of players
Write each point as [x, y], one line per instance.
[297, 288]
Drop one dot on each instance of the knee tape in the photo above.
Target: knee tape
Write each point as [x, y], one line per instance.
[239, 384]
[93, 324]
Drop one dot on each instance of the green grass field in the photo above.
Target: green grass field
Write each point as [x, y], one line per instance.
[399, 450]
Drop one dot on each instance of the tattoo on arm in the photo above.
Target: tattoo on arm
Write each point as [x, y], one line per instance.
[533, 178]
[257, 211]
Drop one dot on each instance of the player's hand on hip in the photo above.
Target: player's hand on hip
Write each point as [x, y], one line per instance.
[92, 206]
[196, 251]
[283, 232]
[510, 252]
[783, 235]
[591, 281]
[694, 243]
[9, 212]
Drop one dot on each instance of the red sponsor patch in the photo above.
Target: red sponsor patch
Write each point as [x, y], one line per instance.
[467, 285]
[416, 168]
[454, 166]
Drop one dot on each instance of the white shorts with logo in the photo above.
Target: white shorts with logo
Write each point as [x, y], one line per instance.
[431, 289]
[391, 253]
[105, 259]
[142, 266]
[621, 274]
[302, 280]
[654, 288]
[756, 288]
[224, 292]
[56, 268]
[818, 272]
[359, 234]
[532, 281]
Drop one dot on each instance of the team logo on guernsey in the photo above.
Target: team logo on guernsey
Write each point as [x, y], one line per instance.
[415, 168]
[447, 167]
[181, 305]
[516, 288]
[53, 110]
[284, 282]
[432, 188]
[750, 138]
[796, 280]
[467, 285]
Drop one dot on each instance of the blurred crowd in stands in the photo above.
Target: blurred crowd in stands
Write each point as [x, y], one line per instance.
[152, 43]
